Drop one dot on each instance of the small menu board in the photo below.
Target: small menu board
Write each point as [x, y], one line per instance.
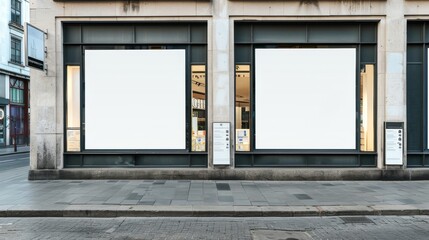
[394, 143]
[221, 143]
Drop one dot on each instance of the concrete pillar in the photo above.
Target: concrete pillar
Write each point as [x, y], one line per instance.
[45, 135]
[395, 55]
[221, 101]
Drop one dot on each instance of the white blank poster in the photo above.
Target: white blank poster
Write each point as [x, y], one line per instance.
[305, 98]
[135, 99]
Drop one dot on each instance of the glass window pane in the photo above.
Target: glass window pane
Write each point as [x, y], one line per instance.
[242, 108]
[73, 108]
[367, 108]
[15, 50]
[198, 108]
[19, 96]
[73, 96]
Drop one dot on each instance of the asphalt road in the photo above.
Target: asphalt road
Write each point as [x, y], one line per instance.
[10, 162]
[304, 228]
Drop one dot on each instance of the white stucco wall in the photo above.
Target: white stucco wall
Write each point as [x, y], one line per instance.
[6, 32]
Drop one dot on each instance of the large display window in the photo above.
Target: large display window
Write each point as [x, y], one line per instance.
[308, 91]
[135, 94]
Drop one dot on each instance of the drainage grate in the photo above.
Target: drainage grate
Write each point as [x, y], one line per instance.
[302, 196]
[223, 187]
[356, 220]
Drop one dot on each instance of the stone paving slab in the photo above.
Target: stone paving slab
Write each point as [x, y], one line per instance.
[221, 228]
[208, 198]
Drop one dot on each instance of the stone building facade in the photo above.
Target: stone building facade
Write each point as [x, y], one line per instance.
[306, 89]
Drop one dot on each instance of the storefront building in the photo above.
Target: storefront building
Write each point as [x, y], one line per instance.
[14, 76]
[306, 90]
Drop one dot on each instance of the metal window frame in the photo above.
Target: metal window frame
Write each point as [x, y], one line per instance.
[194, 158]
[422, 153]
[16, 6]
[14, 51]
[253, 153]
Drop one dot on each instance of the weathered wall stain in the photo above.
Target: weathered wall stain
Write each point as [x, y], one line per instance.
[45, 158]
[314, 3]
[130, 5]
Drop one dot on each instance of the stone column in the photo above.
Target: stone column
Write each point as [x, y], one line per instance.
[45, 102]
[221, 83]
[395, 56]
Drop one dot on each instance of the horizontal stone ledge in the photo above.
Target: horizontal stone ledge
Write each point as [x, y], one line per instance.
[270, 174]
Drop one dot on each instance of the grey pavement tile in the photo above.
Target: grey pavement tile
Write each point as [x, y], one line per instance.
[184, 181]
[196, 198]
[211, 200]
[197, 203]
[133, 196]
[146, 202]
[257, 203]
[224, 193]
[100, 198]
[255, 197]
[240, 197]
[408, 201]
[81, 200]
[115, 200]
[130, 202]
[242, 203]
[226, 198]
[162, 202]
[180, 197]
[179, 202]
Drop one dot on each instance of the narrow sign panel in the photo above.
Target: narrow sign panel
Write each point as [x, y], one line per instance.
[221, 146]
[394, 133]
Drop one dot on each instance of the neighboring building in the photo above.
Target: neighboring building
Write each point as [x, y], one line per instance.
[14, 76]
[303, 85]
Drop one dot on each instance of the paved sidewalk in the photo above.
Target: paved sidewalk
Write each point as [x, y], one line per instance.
[10, 150]
[113, 198]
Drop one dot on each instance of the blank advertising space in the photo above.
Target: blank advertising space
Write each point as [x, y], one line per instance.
[305, 98]
[135, 99]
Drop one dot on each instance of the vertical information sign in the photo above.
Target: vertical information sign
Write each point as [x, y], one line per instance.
[221, 144]
[394, 143]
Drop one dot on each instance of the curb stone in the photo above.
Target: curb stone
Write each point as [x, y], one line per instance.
[217, 211]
